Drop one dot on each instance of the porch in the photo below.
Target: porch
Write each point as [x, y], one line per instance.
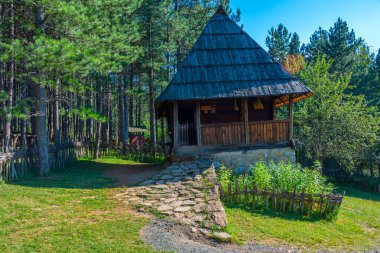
[231, 122]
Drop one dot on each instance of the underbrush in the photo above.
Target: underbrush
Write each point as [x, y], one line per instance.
[281, 176]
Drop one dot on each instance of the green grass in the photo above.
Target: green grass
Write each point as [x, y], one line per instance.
[72, 210]
[114, 160]
[357, 227]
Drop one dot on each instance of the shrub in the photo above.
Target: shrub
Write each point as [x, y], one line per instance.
[278, 176]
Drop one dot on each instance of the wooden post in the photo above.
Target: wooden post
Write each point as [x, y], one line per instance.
[237, 191]
[246, 127]
[290, 117]
[175, 125]
[274, 117]
[198, 123]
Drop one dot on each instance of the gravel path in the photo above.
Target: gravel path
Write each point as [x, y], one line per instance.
[166, 236]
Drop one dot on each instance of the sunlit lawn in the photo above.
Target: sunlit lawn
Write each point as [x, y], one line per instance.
[70, 211]
[357, 227]
[73, 211]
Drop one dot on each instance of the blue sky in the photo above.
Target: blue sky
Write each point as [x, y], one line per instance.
[305, 16]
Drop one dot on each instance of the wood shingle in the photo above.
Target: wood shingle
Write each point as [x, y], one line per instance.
[225, 62]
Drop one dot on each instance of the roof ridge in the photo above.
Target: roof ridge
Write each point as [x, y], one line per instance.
[220, 11]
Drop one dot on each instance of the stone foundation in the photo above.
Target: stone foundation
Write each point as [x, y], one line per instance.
[242, 159]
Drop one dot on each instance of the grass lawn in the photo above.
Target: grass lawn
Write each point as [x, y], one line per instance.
[70, 211]
[357, 227]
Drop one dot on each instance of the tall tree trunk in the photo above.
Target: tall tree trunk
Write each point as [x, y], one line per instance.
[89, 122]
[23, 126]
[9, 102]
[99, 126]
[152, 115]
[40, 104]
[123, 115]
[56, 125]
[131, 85]
[138, 106]
[110, 118]
[41, 133]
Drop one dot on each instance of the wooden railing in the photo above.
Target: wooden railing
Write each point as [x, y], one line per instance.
[270, 131]
[223, 134]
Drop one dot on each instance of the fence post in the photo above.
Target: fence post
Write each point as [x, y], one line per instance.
[293, 201]
[254, 190]
[274, 199]
[311, 203]
[328, 204]
[320, 203]
[221, 191]
[246, 196]
[302, 201]
[229, 192]
[283, 196]
[266, 193]
[237, 191]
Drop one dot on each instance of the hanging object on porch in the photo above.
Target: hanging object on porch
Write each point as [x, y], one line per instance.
[258, 105]
[236, 107]
[213, 111]
[206, 108]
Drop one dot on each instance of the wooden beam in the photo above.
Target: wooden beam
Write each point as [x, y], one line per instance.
[246, 126]
[274, 117]
[198, 123]
[291, 117]
[175, 125]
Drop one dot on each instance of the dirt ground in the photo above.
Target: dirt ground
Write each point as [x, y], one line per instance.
[127, 175]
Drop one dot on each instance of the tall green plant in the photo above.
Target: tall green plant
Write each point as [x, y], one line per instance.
[277, 176]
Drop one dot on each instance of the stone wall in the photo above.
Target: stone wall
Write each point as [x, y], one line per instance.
[242, 159]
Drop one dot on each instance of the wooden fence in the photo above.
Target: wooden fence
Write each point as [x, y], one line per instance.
[142, 153]
[301, 202]
[18, 163]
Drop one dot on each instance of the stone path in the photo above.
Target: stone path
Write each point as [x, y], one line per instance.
[185, 192]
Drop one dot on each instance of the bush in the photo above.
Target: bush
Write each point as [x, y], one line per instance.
[278, 176]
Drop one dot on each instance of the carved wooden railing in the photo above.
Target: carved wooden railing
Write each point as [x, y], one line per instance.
[269, 131]
[223, 134]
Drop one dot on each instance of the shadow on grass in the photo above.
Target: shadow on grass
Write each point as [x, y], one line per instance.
[276, 214]
[86, 174]
[357, 193]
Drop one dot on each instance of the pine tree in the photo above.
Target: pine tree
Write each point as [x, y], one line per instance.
[278, 41]
[342, 47]
[294, 44]
[317, 45]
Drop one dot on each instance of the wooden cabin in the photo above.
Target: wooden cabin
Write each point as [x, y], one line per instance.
[136, 135]
[227, 90]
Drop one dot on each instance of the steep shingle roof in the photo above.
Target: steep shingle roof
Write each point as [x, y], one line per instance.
[225, 62]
